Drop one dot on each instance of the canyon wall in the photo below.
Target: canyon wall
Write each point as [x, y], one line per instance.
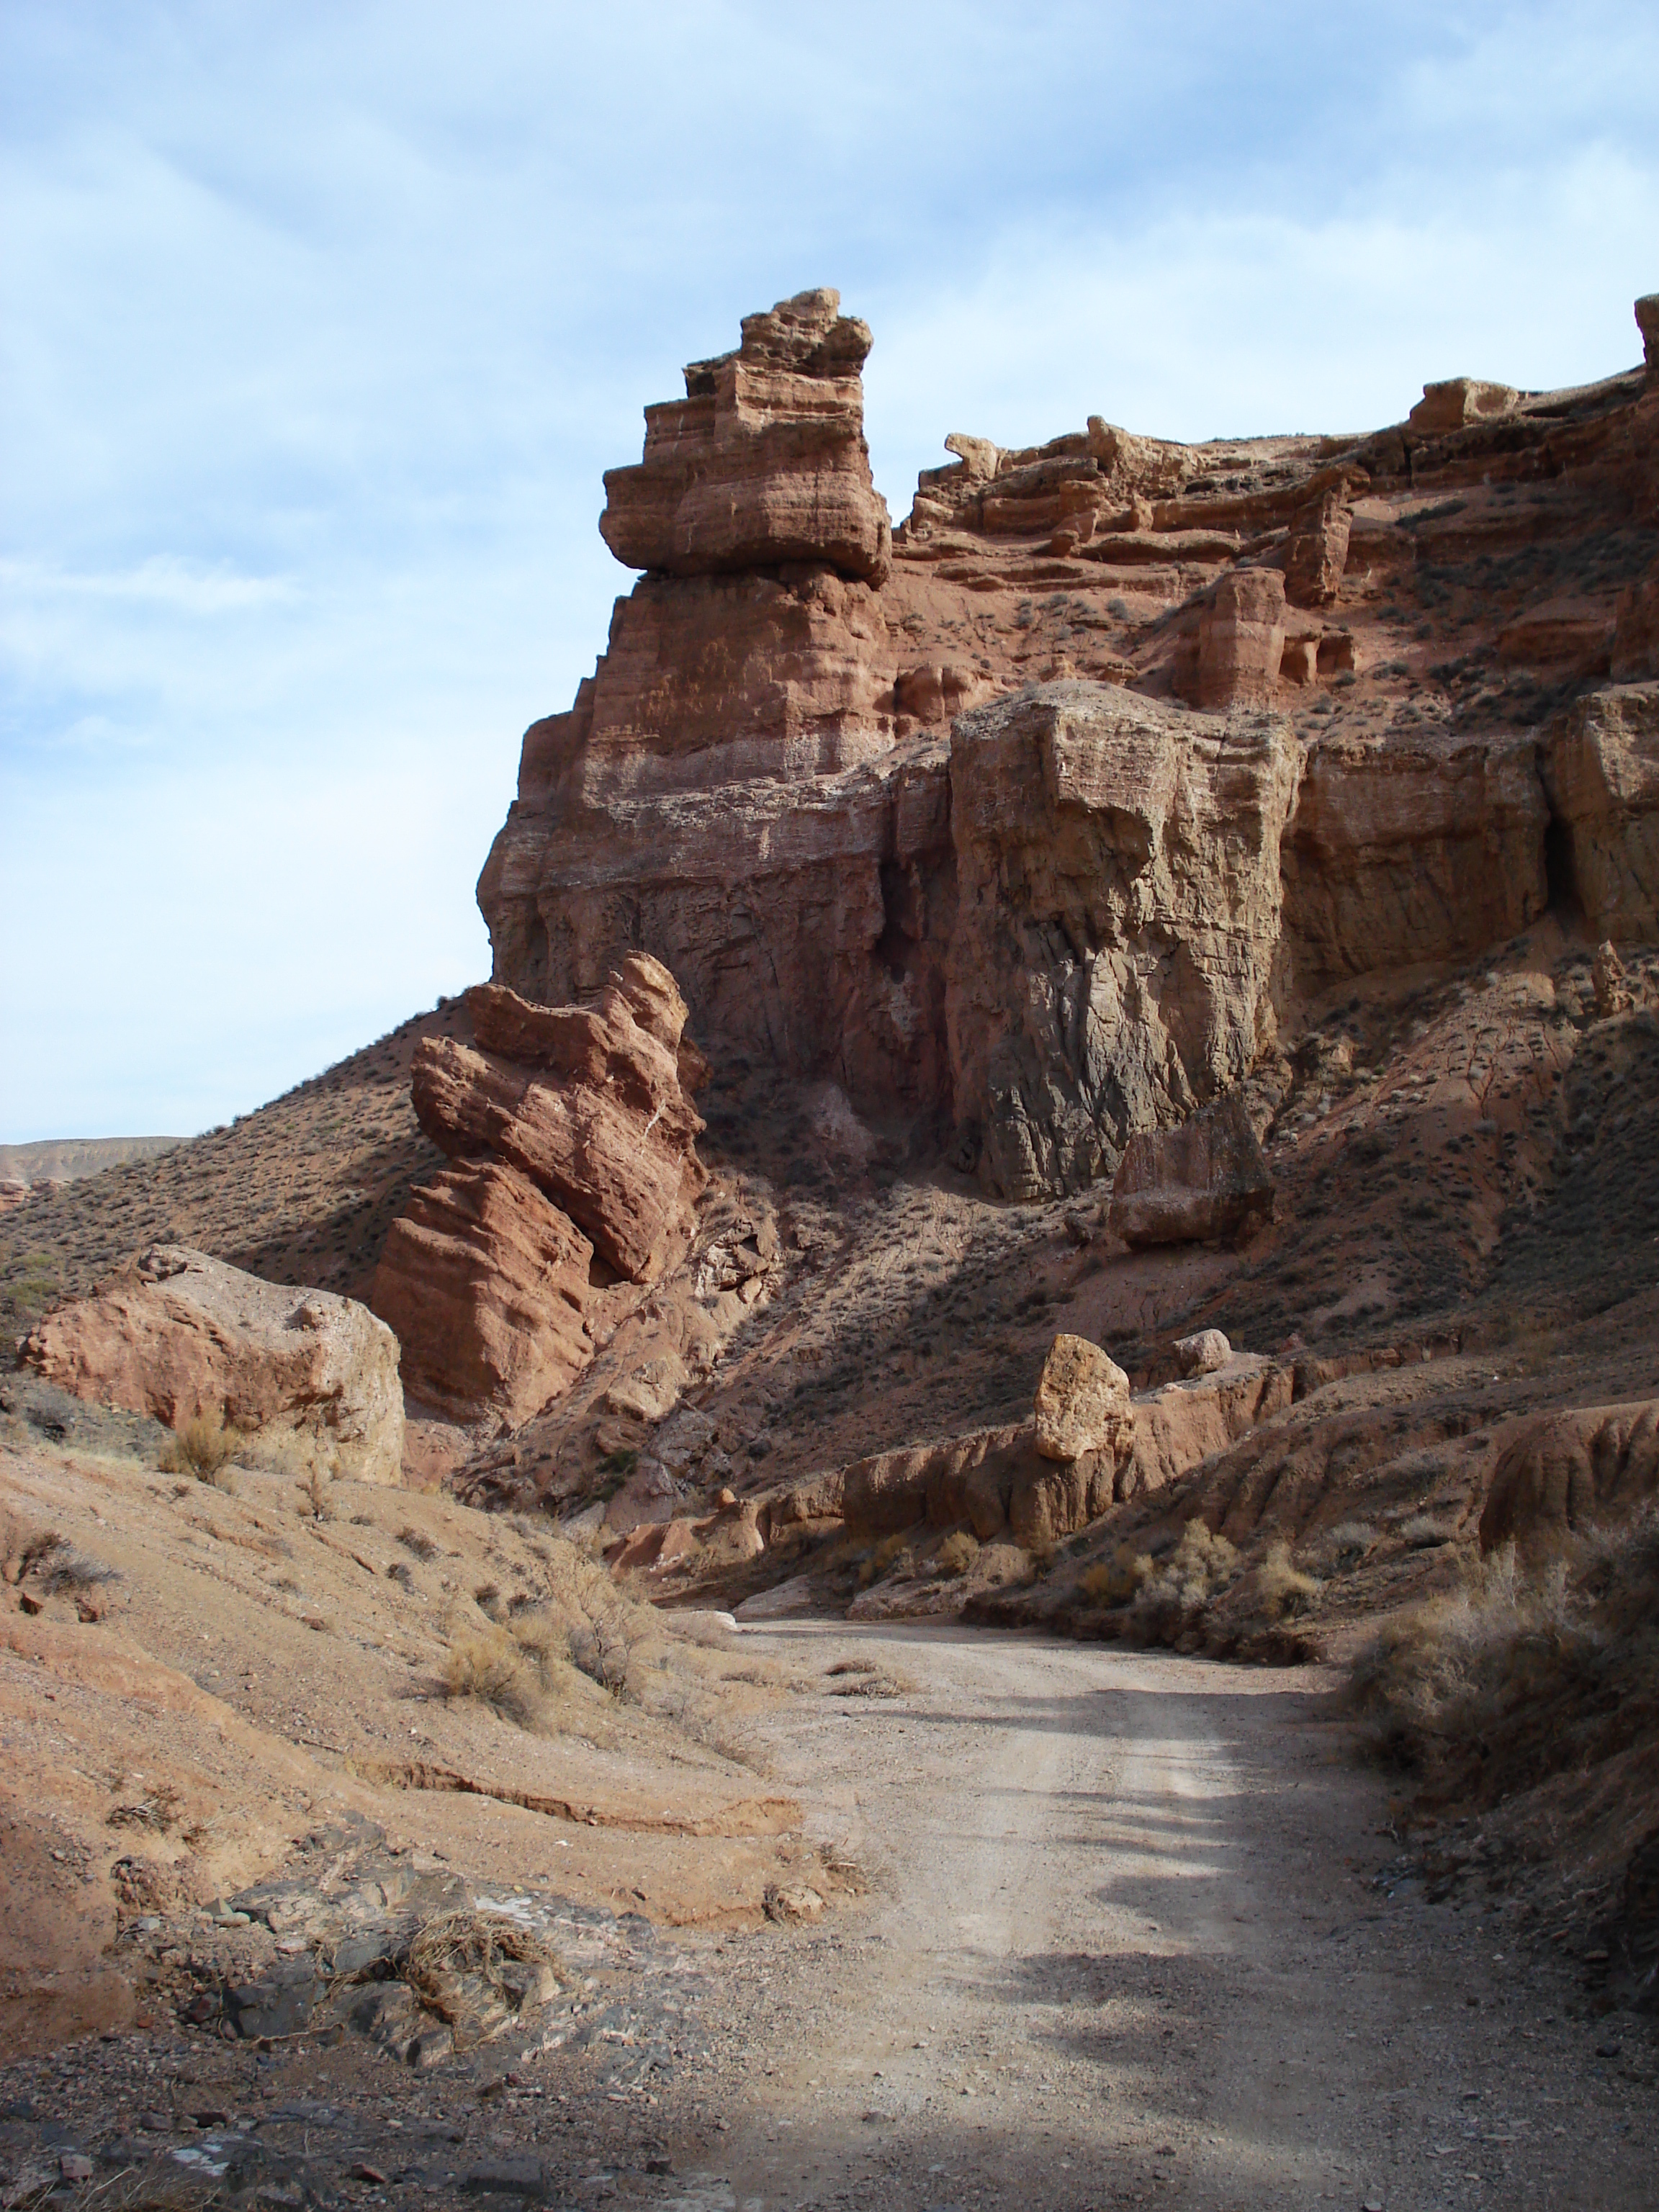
[1028, 822]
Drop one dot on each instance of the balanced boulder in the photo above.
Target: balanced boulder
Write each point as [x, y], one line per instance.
[1082, 1402]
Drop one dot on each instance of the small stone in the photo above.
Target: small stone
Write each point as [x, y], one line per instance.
[1203, 1352]
[364, 2171]
[75, 2166]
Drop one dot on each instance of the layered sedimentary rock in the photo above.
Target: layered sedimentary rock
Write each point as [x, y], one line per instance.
[1117, 913]
[759, 785]
[585, 1102]
[1601, 763]
[486, 1284]
[303, 1375]
[763, 461]
[1202, 1181]
[1240, 640]
[573, 1134]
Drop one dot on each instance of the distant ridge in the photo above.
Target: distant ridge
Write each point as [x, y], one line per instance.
[65, 1159]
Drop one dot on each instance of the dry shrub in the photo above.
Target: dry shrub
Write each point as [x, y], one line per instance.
[1345, 1547]
[891, 1551]
[492, 1670]
[315, 1504]
[1422, 1532]
[1174, 1597]
[26, 1550]
[1518, 1676]
[55, 1565]
[958, 1552]
[201, 1446]
[1115, 1581]
[412, 1540]
[512, 1962]
[1283, 1589]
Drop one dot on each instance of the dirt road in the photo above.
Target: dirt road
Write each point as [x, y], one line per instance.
[1125, 1946]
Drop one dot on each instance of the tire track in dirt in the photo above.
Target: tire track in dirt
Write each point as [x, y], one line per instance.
[1126, 1949]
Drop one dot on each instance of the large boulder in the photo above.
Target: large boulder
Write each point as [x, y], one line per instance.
[307, 1375]
[485, 1282]
[1082, 1402]
[1203, 1182]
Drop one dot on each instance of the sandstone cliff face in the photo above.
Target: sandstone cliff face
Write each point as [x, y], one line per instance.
[1419, 850]
[1601, 763]
[1353, 648]
[1118, 908]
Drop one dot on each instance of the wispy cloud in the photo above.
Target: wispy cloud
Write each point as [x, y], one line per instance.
[164, 581]
[319, 323]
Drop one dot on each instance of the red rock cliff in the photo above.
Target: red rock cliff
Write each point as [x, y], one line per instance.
[1319, 700]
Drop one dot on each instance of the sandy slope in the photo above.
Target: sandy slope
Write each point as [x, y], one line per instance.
[1128, 1948]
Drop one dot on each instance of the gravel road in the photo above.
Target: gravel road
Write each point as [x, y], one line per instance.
[1125, 1946]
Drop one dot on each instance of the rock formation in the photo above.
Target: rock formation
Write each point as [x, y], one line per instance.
[1201, 1181]
[486, 1284]
[306, 1376]
[572, 1136]
[764, 461]
[1601, 766]
[982, 932]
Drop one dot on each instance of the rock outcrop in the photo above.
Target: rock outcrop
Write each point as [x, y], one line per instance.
[573, 1137]
[1419, 849]
[977, 933]
[1565, 1473]
[1201, 1181]
[485, 1282]
[584, 1101]
[764, 461]
[309, 1378]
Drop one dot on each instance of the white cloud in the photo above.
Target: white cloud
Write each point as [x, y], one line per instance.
[319, 323]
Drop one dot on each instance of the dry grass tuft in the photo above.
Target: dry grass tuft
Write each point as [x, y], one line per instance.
[958, 1552]
[315, 1502]
[492, 1669]
[478, 1947]
[1115, 1581]
[890, 1552]
[201, 1446]
[1283, 1589]
[1518, 1674]
[413, 1539]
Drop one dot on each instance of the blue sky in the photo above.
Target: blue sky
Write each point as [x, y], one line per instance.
[318, 324]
